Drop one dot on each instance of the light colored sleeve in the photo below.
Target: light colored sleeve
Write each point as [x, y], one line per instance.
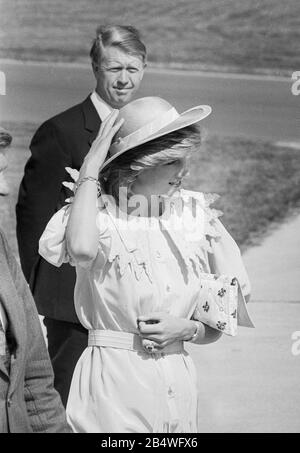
[224, 261]
[223, 252]
[225, 257]
[53, 246]
[52, 243]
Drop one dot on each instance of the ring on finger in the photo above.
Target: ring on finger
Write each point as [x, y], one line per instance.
[149, 347]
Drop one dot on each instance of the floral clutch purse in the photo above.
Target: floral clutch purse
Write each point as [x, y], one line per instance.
[221, 304]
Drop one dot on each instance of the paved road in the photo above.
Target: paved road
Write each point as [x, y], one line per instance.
[274, 265]
[250, 383]
[246, 106]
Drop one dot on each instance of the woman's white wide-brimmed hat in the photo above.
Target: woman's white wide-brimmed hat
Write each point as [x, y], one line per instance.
[148, 118]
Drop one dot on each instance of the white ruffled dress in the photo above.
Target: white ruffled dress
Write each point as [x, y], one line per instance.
[139, 269]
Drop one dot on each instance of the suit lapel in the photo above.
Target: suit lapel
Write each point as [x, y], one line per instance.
[92, 121]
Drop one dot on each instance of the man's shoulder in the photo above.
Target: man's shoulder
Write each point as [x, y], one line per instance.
[72, 119]
[68, 116]
[70, 126]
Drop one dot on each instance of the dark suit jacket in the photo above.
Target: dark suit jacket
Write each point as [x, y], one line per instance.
[28, 401]
[62, 141]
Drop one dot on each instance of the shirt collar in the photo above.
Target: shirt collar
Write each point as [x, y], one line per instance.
[103, 109]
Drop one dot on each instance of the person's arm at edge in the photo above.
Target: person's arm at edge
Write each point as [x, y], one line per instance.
[43, 403]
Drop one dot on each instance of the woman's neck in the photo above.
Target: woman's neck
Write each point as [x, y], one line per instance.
[141, 206]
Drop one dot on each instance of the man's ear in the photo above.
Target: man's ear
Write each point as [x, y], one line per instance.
[143, 71]
[95, 67]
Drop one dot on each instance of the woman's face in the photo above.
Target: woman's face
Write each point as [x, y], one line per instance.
[4, 190]
[160, 180]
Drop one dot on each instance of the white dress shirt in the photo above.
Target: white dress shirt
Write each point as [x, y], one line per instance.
[103, 109]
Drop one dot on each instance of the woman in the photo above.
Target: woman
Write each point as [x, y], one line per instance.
[138, 259]
[28, 401]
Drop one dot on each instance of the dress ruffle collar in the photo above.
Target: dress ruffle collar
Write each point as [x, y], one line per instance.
[192, 243]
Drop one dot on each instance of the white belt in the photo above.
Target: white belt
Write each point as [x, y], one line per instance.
[127, 340]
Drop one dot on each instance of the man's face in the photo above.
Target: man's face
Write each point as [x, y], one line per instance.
[4, 190]
[118, 76]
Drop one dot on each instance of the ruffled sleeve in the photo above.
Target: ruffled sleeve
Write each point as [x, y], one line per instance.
[52, 244]
[225, 257]
[223, 253]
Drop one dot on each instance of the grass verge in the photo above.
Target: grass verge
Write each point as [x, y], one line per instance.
[259, 182]
[232, 35]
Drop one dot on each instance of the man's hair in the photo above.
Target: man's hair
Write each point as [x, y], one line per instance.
[5, 138]
[123, 171]
[124, 37]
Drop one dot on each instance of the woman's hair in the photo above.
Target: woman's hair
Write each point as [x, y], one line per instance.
[124, 170]
[125, 37]
[5, 138]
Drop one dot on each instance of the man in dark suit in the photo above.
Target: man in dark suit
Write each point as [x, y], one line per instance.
[28, 401]
[118, 60]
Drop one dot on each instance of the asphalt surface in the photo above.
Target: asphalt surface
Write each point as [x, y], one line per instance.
[250, 383]
[251, 106]
[274, 265]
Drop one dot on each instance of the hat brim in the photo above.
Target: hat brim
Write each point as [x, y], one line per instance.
[187, 118]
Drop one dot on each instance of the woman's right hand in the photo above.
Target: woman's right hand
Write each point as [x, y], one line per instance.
[96, 156]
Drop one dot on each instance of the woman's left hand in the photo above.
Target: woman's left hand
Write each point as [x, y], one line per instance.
[164, 329]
